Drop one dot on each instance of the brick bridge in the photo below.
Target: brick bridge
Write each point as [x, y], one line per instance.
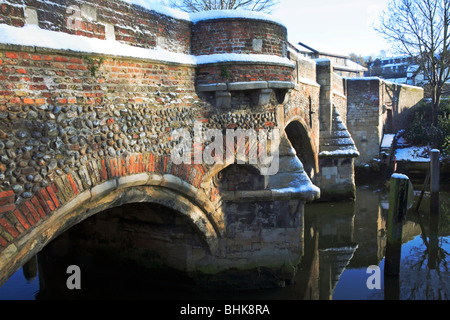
[91, 93]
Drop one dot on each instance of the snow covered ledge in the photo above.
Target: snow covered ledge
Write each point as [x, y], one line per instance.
[33, 36]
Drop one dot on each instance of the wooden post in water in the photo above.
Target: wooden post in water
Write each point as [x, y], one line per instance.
[434, 209]
[399, 200]
[434, 183]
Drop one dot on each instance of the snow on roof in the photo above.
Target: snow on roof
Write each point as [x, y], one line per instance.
[364, 78]
[299, 47]
[393, 57]
[350, 67]
[388, 139]
[413, 68]
[355, 65]
[397, 80]
[321, 48]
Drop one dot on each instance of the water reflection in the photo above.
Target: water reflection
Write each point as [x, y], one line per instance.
[341, 241]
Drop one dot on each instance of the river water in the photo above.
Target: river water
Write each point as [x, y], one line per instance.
[344, 260]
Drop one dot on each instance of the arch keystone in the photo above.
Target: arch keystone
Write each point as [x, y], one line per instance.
[133, 180]
[103, 189]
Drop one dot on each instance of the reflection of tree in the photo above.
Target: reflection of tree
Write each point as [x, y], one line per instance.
[418, 281]
[437, 225]
[425, 270]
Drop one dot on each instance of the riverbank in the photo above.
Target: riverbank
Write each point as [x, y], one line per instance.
[397, 155]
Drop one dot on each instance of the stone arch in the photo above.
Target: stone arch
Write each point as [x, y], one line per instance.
[302, 142]
[166, 190]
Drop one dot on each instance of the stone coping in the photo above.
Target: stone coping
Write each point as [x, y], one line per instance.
[270, 195]
[239, 86]
[39, 49]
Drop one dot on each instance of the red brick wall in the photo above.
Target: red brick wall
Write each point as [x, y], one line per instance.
[12, 15]
[69, 79]
[133, 25]
[236, 36]
[234, 72]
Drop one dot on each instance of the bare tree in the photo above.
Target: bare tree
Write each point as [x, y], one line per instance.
[420, 29]
[204, 5]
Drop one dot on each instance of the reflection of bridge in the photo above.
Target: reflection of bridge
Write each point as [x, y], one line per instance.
[87, 122]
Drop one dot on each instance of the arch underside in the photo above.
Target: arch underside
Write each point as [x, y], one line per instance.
[88, 204]
[301, 141]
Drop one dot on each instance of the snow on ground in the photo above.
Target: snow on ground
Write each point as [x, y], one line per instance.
[413, 154]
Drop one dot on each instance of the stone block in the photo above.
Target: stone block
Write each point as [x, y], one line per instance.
[31, 16]
[103, 189]
[253, 85]
[223, 99]
[212, 87]
[88, 12]
[133, 180]
[257, 45]
[110, 33]
[261, 97]
[281, 84]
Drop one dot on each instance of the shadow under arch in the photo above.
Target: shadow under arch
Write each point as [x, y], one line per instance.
[240, 177]
[215, 170]
[302, 142]
[87, 204]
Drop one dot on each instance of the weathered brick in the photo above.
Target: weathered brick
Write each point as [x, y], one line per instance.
[103, 173]
[72, 184]
[12, 55]
[60, 59]
[7, 208]
[22, 219]
[32, 210]
[8, 227]
[7, 194]
[37, 206]
[3, 242]
[43, 204]
[53, 196]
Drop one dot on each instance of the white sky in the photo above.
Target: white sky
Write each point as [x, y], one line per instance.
[341, 26]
